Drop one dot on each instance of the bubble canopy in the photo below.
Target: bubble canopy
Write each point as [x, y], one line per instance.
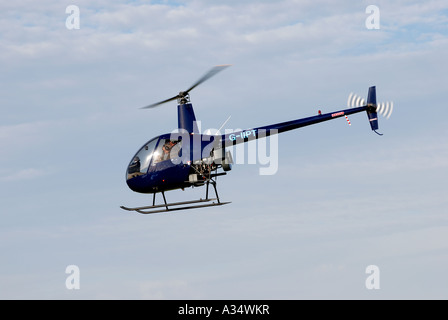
[156, 150]
[140, 162]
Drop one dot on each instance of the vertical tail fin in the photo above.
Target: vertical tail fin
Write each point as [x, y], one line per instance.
[371, 109]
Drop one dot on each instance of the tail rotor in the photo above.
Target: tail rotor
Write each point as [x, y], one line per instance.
[384, 108]
[372, 107]
[355, 101]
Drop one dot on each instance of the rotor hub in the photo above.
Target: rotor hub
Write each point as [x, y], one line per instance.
[183, 97]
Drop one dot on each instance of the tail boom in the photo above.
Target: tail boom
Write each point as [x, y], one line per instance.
[265, 131]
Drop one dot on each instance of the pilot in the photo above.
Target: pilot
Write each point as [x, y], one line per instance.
[167, 149]
[135, 165]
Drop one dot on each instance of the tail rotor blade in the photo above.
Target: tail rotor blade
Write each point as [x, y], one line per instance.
[380, 108]
[385, 109]
[355, 101]
[355, 98]
[349, 101]
[390, 110]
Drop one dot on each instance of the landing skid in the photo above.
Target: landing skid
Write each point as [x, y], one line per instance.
[155, 209]
[179, 205]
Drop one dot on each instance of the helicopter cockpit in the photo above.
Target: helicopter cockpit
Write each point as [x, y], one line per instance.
[140, 163]
[158, 149]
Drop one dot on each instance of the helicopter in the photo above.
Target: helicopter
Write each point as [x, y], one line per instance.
[187, 158]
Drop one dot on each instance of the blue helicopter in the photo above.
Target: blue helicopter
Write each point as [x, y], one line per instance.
[187, 158]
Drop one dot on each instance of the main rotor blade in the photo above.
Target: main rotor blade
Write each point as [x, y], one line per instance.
[208, 75]
[161, 102]
[205, 77]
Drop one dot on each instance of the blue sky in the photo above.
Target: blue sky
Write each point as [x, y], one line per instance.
[342, 199]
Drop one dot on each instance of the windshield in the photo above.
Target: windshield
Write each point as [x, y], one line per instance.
[140, 163]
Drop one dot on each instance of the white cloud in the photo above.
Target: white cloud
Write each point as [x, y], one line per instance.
[72, 96]
[22, 136]
[24, 174]
[106, 29]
